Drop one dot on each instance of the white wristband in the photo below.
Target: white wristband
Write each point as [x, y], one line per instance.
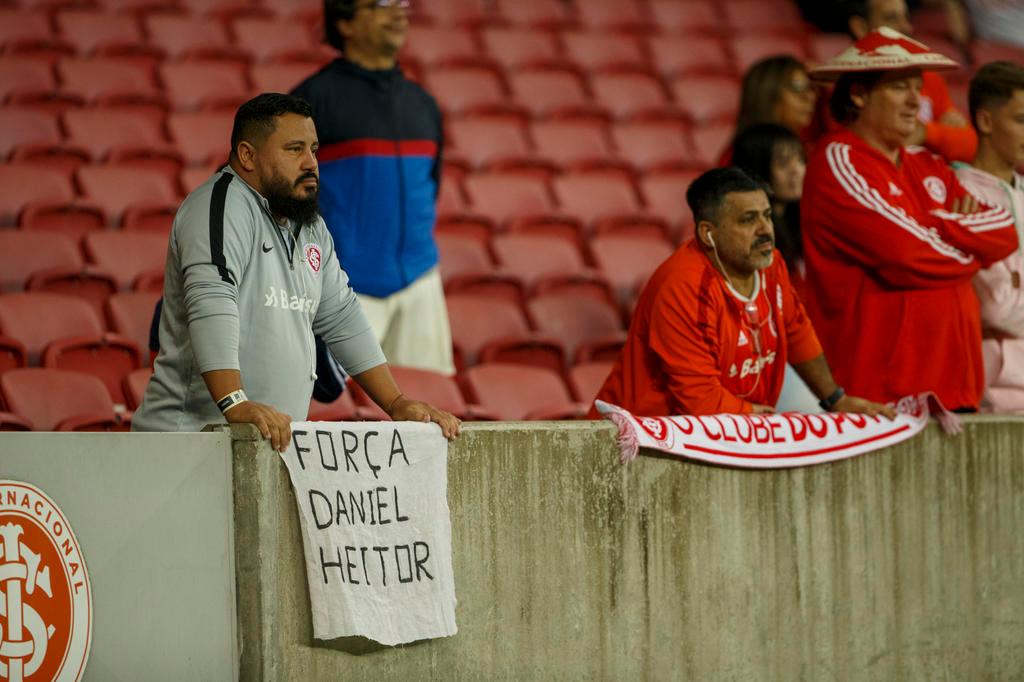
[233, 399]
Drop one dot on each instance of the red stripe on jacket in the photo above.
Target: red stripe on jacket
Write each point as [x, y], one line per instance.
[377, 147]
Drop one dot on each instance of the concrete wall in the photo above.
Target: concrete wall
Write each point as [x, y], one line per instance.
[902, 564]
[152, 513]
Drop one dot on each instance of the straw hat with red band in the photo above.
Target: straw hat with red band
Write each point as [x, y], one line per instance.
[883, 50]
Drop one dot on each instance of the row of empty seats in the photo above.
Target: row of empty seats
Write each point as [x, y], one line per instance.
[730, 16]
[554, 329]
[183, 85]
[48, 399]
[118, 135]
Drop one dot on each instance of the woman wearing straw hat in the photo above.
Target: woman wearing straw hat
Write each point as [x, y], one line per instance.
[891, 237]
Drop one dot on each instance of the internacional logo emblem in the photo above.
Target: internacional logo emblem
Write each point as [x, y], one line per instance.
[312, 254]
[45, 596]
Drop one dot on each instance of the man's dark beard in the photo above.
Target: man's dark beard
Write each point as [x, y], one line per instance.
[283, 202]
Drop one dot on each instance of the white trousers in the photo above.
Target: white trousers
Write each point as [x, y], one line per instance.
[412, 325]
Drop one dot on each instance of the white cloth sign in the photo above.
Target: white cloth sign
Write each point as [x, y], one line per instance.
[373, 503]
[774, 441]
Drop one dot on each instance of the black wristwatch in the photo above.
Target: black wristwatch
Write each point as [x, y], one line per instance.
[828, 403]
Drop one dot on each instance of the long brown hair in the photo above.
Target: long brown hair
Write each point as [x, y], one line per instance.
[762, 87]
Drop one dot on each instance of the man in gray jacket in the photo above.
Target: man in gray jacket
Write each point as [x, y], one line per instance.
[251, 274]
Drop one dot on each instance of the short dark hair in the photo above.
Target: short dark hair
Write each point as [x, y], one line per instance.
[255, 120]
[841, 104]
[706, 193]
[993, 86]
[762, 86]
[335, 11]
[856, 8]
[753, 148]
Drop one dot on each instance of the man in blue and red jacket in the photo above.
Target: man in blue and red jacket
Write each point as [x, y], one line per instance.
[380, 167]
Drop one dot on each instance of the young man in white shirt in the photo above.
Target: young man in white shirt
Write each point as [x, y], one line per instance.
[997, 112]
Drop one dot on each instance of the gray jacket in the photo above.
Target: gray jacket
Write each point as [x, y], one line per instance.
[242, 292]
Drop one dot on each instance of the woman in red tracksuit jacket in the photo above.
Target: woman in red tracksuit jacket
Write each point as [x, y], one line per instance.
[892, 239]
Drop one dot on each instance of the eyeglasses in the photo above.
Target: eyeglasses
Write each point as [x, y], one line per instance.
[387, 4]
[799, 87]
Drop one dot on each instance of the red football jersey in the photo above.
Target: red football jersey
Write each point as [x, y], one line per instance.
[889, 270]
[695, 346]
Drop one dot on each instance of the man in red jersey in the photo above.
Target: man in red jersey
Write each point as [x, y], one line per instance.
[892, 239]
[718, 321]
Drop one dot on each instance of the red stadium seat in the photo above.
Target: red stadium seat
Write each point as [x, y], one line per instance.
[706, 99]
[593, 51]
[432, 387]
[91, 31]
[465, 226]
[569, 142]
[12, 354]
[273, 38]
[577, 321]
[98, 78]
[712, 141]
[486, 140]
[985, 52]
[654, 144]
[100, 130]
[341, 410]
[665, 194]
[516, 48]
[628, 262]
[87, 283]
[224, 9]
[750, 49]
[60, 400]
[675, 56]
[824, 46]
[613, 14]
[105, 186]
[496, 328]
[461, 256]
[439, 45]
[207, 83]
[139, 6]
[532, 257]
[451, 12]
[191, 178]
[504, 196]
[38, 319]
[12, 422]
[23, 27]
[126, 254]
[550, 91]
[24, 74]
[24, 183]
[461, 89]
[62, 157]
[546, 13]
[513, 392]
[24, 253]
[130, 315]
[281, 77]
[450, 201]
[695, 17]
[763, 16]
[134, 386]
[631, 94]
[155, 219]
[183, 35]
[591, 196]
[24, 126]
[585, 380]
[72, 219]
[202, 136]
